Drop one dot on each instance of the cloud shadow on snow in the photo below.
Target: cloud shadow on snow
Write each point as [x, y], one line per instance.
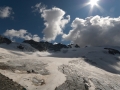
[99, 58]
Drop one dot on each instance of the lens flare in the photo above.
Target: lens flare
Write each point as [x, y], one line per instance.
[93, 2]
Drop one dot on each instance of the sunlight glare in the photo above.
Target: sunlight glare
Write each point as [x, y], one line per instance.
[93, 2]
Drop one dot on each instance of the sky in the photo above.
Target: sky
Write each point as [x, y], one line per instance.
[61, 21]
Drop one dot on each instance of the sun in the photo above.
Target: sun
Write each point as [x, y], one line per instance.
[93, 2]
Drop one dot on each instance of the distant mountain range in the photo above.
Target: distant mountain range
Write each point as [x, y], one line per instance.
[41, 46]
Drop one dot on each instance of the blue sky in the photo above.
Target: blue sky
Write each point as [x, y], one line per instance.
[22, 16]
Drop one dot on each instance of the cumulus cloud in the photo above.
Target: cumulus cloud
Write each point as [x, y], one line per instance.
[94, 31]
[23, 34]
[55, 21]
[36, 37]
[5, 12]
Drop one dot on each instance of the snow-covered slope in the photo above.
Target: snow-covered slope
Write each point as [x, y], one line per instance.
[90, 68]
[14, 47]
[96, 56]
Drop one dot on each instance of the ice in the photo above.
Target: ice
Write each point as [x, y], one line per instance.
[30, 67]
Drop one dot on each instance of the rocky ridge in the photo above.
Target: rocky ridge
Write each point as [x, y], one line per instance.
[9, 84]
[43, 46]
[4, 40]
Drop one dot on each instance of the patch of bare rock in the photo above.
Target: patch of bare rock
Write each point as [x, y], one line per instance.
[9, 84]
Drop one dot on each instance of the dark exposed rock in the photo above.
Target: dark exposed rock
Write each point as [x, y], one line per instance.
[112, 51]
[4, 66]
[73, 80]
[9, 84]
[43, 46]
[73, 45]
[77, 46]
[59, 46]
[31, 71]
[4, 40]
[77, 79]
[20, 47]
[70, 45]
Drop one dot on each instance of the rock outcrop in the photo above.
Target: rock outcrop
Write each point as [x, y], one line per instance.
[112, 51]
[4, 40]
[20, 47]
[79, 79]
[77, 46]
[9, 84]
[43, 46]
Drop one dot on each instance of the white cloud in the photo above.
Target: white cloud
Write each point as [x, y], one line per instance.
[38, 7]
[95, 31]
[23, 34]
[55, 43]
[54, 22]
[36, 38]
[5, 12]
